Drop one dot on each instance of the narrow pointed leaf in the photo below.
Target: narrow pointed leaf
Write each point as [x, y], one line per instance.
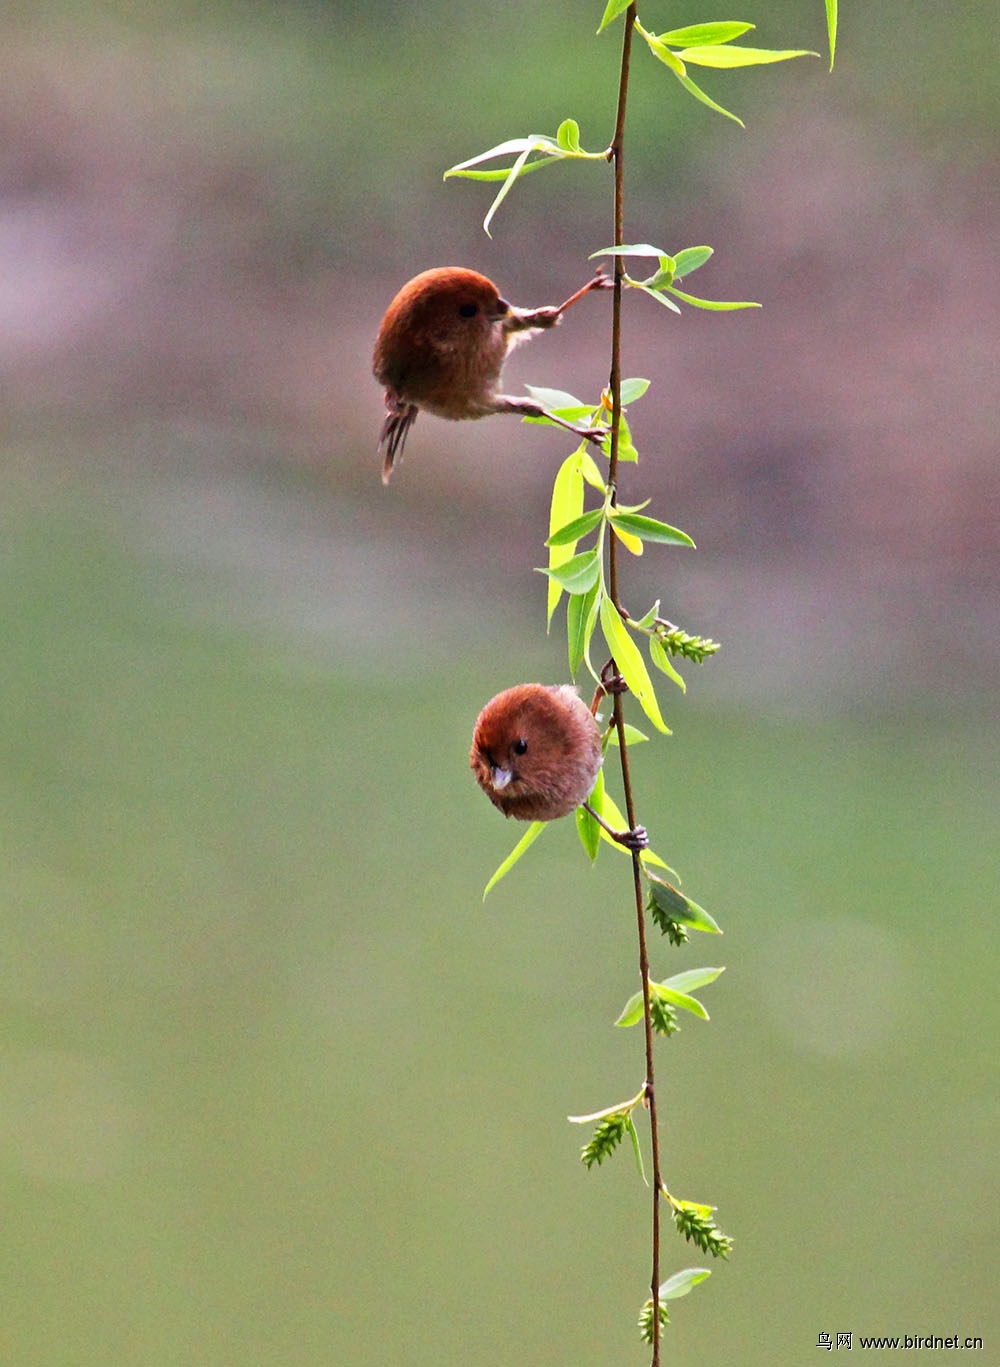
[619, 1108]
[690, 259]
[525, 843]
[577, 574]
[630, 663]
[631, 1013]
[633, 390]
[567, 503]
[636, 249]
[590, 470]
[556, 398]
[572, 531]
[706, 100]
[633, 736]
[658, 296]
[587, 828]
[498, 172]
[630, 1126]
[660, 50]
[697, 34]
[581, 618]
[681, 1000]
[502, 149]
[505, 188]
[649, 528]
[714, 305]
[612, 11]
[831, 27]
[723, 58]
[589, 832]
[692, 978]
[681, 1283]
[626, 447]
[680, 908]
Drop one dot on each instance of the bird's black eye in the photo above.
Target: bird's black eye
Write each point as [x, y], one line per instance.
[468, 310]
[519, 746]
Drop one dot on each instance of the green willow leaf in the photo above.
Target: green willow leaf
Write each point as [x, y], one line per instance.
[658, 295]
[680, 999]
[698, 34]
[636, 1149]
[633, 390]
[525, 843]
[633, 736]
[557, 398]
[572, 531]
[591, 471]
[579, 573]
[636, 249]
[660, 50]
[581, 618]
[626, 447]
[612, 11]
[524, 147]
[586, 827]
[681, 1283]
[677, 907]
[620, 1108]
[631, 1013]
[831, 27]
[650, 529]
[692, 978]
[568, 135]
[630, 663]
[726, 58]
[691, 259]
[706, 100]
[714, 305]
[567, 503]
[507, 186]
[498, 173]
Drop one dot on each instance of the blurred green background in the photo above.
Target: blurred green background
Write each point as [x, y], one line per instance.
[276, 1087]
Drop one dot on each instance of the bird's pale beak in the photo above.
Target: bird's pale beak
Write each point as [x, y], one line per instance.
[500, 777]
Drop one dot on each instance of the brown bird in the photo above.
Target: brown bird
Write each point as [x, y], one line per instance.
[442, 345]
[536, 751]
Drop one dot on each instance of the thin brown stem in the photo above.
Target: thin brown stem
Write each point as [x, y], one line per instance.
[616, 155]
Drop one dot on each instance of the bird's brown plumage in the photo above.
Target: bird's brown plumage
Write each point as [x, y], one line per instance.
[441, 347]
[536, 751]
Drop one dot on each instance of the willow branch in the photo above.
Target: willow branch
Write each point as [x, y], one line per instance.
[616, 156]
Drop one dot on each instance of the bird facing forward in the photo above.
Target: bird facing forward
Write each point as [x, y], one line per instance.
[536, 752]
[442, 345]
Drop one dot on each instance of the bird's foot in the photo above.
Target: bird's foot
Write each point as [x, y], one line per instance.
[634, 840]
